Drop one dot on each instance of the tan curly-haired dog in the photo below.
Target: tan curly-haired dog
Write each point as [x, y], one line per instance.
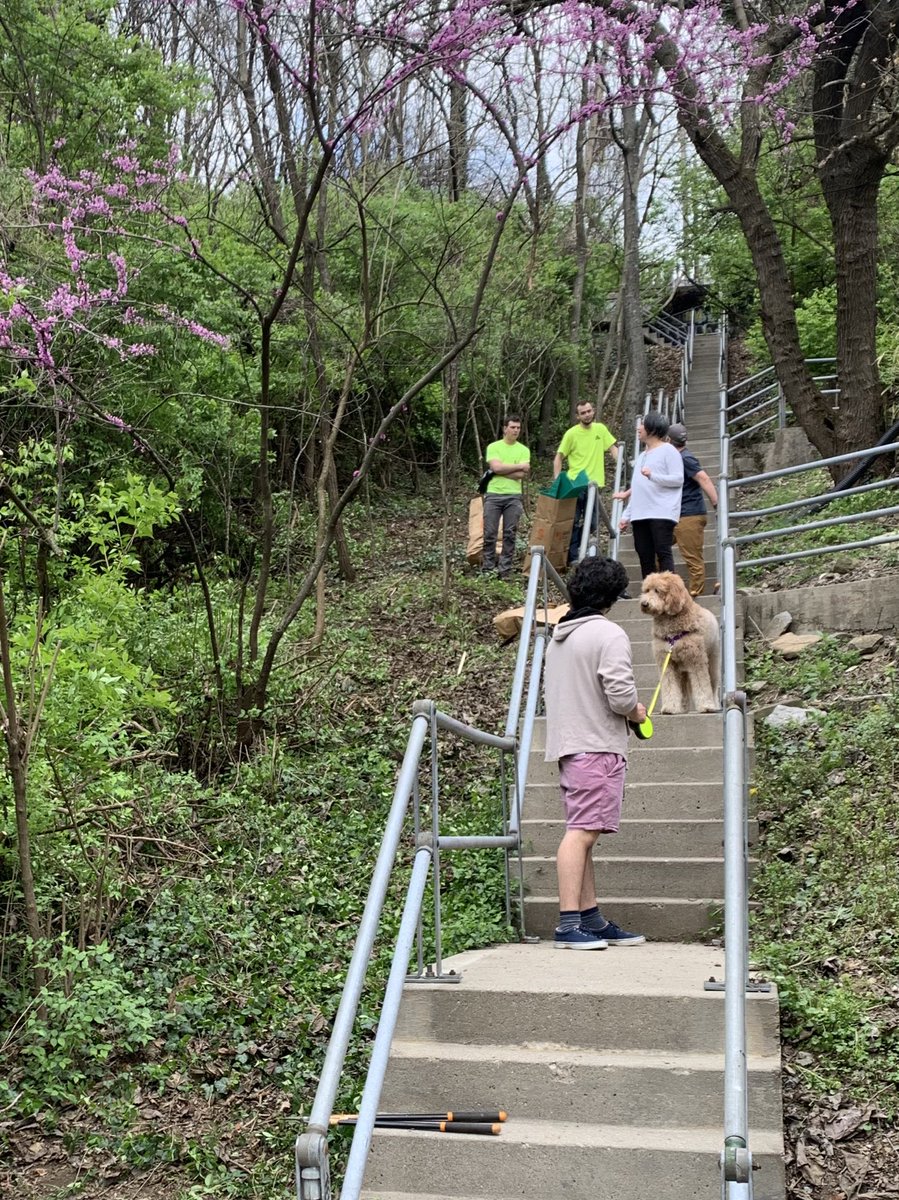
[690, 632]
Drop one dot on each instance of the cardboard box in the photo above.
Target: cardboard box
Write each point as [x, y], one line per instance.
[551, 528]
[508, 624]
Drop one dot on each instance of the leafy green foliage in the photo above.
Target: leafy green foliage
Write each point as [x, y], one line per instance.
[827, 901]
[217, 918]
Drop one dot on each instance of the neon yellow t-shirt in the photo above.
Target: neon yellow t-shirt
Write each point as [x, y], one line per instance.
[512, 456]
[586, 449]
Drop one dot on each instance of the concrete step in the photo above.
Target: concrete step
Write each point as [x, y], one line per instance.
[627, 556]
[676, 837]
[692, 765]
[681, 729]
[662, 919]
[649, 801]
[554, 1083]
[634, 877]
[640, 998]
[578, 1162]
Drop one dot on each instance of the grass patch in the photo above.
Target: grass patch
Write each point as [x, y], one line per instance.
[827, 888]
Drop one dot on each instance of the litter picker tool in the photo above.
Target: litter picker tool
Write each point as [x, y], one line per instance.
[485, 1128]
[643, 729]
[454, 1115]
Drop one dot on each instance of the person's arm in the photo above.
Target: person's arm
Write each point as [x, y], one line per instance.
[557, 464]
[617, 675]
[613, 450]
[705, 482]
[515, 470]
[666, 473]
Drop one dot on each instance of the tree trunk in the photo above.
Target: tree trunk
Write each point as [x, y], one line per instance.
[458, 141]
[775, 291]
[449, 465]
[18, 737]
[852, 202]
[632, 305]
[581, 257]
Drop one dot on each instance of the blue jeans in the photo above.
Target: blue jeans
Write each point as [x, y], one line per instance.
[509, 508]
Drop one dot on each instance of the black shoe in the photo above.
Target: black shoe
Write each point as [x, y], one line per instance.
[625, 595]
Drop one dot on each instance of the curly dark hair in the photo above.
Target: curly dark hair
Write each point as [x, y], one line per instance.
[596, 583]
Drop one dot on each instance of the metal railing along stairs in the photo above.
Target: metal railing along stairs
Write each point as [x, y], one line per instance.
[736, 1160]
[421, 756]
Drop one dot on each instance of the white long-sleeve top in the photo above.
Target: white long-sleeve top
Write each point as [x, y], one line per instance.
[659, 497]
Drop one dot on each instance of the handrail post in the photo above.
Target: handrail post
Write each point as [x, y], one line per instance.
[615, 532]
[736, 1157]
[589, 510]
[371, 1093]
[435, 834]
[311, 1149]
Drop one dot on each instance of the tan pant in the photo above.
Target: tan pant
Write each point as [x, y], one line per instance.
[689, 534]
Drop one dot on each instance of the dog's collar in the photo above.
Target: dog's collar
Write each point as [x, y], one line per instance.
[673, 638]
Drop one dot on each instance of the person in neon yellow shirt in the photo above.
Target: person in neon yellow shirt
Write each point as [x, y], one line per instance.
[583, 448]
[510, 462]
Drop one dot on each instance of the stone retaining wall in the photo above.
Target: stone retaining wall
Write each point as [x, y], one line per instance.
[859, 605]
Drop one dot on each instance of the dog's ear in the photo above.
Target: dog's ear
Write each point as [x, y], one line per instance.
[677, 597]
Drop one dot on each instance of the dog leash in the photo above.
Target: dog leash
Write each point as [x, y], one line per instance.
[643, 729]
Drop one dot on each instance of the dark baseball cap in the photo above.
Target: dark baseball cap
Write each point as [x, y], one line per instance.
[677, 434]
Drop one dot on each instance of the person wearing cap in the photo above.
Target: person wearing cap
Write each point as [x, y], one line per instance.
[689, 532]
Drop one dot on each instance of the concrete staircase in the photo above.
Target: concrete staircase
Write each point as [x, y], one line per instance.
[609, 1064]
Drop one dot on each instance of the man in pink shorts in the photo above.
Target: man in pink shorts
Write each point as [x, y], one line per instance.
[590, 696]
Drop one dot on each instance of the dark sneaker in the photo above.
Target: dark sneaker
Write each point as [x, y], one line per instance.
[579, 939]
[613, 936]
[625, 595]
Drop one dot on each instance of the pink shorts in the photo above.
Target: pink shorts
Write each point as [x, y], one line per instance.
[592, 787]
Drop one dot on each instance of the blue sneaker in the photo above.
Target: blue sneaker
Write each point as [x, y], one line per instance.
[612, 935]
[579, 939]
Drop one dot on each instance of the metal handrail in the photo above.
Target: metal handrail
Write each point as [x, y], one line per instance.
[736, 1156]
[311, 1149]
[673, 406]
[594, 515]
[777, 398]
[617, 505]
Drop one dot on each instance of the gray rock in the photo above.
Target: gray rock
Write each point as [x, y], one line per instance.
[784, 715]
[778, 624]
[866, 642]
[790, 448]
[791, 645]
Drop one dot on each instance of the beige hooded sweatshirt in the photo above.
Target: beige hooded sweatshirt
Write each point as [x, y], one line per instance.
[588, 687]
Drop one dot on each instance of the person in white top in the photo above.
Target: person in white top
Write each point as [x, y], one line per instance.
[654, 497]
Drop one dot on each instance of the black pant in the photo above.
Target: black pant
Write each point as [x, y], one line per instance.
[653, 540]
